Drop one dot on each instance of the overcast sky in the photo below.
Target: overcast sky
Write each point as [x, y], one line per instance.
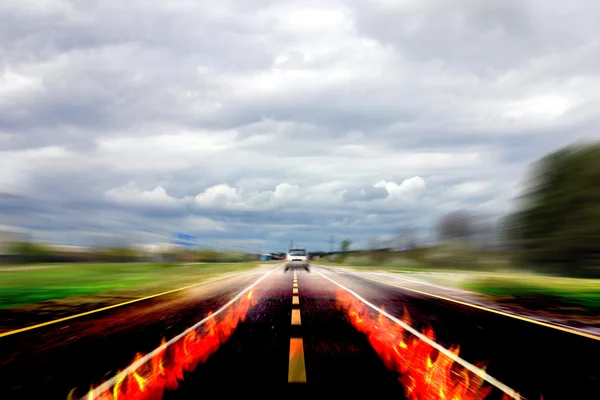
[256, 122]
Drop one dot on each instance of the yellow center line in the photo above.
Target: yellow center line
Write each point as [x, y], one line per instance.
[295, 290]
[519, 317]
[83, 314]
[295, 300]
[296, 317]
[295, 285]
[297, 370]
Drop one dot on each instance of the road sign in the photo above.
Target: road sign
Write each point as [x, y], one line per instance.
[185, 240]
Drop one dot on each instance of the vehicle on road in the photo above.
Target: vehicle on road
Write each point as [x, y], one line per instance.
[297, 258]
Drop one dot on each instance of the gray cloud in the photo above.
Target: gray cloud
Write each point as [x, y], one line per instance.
[301, 119]
[366, 194]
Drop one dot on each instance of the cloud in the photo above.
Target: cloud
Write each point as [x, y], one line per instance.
[366, 194]
[281, 196]
[409, 189]
[469, 189]
[131, 194]
[217, 195]
[259, 121]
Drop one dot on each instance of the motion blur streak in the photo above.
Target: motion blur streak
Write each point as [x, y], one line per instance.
[147, 377]
[425, 372]
[428, 369]
[165, 369]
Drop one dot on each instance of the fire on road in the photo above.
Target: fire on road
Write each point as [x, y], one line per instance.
[296, 330]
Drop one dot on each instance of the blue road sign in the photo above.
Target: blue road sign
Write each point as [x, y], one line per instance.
[183, 239]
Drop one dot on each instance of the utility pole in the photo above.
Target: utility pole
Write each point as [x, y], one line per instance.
[291, 244]
[331, 244]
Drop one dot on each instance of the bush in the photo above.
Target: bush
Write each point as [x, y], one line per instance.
[360, 261]
[453, 257]
[235, 256]
[118, 254]
[402, 262]
[28, 252]
[207, 256]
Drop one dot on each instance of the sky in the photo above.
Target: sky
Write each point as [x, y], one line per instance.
[252, 123]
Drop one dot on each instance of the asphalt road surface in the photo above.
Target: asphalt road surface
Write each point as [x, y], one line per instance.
[298, 333]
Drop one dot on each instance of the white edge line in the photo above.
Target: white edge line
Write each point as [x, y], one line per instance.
[392, 275]
[532, 319]
[477, 371]
[132, 367]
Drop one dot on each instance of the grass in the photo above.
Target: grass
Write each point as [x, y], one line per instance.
[38, 285]
[568, 291]
[490, 278]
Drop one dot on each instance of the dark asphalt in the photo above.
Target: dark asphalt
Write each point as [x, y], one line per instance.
[532, 359]
[256, 356]
[48, 362]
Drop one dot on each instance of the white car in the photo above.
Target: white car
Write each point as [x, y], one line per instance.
[297, 258]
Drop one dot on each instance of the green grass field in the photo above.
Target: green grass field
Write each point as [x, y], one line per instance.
[38, 285]
[560, 291]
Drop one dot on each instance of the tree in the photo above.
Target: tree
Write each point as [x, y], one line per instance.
[508, 233]
[456, 225]
[484, 232]
[557, 223]
[30, 252]
[345, 245]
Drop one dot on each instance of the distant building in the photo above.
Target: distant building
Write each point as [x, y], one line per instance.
[266, 257]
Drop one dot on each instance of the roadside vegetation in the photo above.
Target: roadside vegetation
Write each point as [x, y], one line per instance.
[531, 289]
[27, 253]
[491, 274]
[546, 252]
[447, 257]
[28, 286]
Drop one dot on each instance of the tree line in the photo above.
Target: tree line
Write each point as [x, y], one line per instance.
[555, 225]
[27, 252]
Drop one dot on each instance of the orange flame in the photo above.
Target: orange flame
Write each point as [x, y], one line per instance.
[165, 369]
[425, 373]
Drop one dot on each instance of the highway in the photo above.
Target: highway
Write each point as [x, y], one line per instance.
[298, 332]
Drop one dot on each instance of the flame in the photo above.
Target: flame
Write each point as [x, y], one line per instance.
[165, 370]
[425, 373]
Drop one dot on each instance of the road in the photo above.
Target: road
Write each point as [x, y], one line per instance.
[329, 328]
